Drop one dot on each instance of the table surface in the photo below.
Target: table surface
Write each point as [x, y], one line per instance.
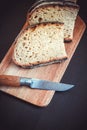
[67, 110]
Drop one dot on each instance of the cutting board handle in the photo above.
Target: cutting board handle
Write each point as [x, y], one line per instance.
[8, 80]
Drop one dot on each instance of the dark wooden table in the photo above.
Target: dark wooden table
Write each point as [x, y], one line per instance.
[67, 111]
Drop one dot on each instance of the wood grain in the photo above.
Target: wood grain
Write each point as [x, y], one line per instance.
[9, 80]
[52, 72]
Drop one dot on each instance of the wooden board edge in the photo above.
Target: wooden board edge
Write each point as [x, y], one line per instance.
[10, 52]
[70, 57]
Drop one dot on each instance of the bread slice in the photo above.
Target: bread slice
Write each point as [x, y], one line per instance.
[40, 44]
[45, 12]
[65, 12]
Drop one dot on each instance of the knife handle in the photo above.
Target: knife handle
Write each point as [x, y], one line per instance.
[8, 80]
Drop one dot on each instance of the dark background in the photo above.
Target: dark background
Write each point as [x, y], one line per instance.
[67, 110]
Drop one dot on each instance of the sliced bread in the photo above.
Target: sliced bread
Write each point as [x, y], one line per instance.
[40, 44]
[65, 12]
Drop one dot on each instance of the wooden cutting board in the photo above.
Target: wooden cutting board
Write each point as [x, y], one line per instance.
[53, 72]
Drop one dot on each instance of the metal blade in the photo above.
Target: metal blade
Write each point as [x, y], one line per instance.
[45, 85]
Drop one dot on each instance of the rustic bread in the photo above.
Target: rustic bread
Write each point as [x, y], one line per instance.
[40, 44]
[65, 12]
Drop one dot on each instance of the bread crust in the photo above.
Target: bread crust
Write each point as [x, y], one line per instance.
[37, 64]
[45, 3]
[51, 5]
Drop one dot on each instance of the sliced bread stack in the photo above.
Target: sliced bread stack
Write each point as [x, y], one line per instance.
[39, 45]
[42, 42]
[55, 11]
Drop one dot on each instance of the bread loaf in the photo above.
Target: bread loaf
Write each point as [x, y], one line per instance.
[40, 44]
[65, 12]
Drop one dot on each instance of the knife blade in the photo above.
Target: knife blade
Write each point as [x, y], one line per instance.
[33, 83]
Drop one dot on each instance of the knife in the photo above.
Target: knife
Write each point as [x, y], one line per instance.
[33, 83]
